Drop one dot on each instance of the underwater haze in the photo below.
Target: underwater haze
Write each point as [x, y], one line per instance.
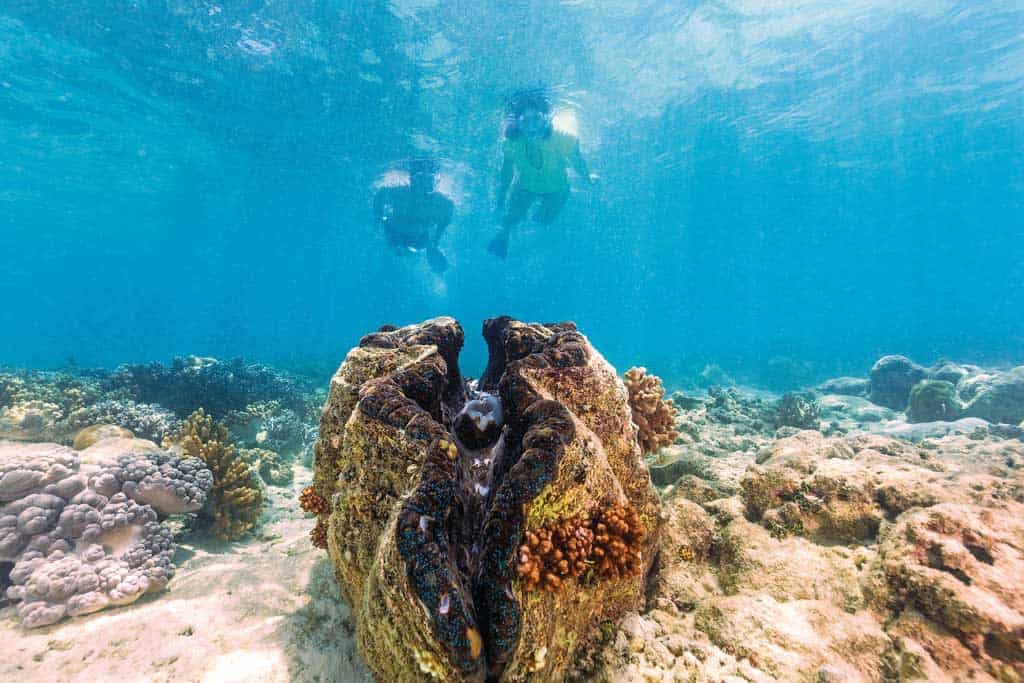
[809, 179]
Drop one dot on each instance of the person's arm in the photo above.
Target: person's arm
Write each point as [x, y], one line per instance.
[579, 165]
[379, 202]
[508, 170]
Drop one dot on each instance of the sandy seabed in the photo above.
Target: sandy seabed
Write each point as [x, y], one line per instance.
[263, 609]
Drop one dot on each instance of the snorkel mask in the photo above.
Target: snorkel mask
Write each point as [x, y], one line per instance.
[533, 122]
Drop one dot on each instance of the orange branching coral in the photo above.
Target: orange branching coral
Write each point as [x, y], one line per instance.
[618, 533]
[555, 552]
[652, 414]
[318, 536]
[313, 503]
[609, 541]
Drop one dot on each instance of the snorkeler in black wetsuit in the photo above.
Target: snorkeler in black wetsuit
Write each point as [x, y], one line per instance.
[415, 216]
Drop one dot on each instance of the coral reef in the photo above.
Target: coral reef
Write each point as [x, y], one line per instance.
[933, 399]
[426, 534]
[270, 425]
[81, 530]
[948, 391]
[653, 416]
[610, 542]
[961, 567]
[273, 469]
[318, 536]
[217, 386]
[236, 497]
[144, 420]
[32, 420]
[716, 438]
[64, 390]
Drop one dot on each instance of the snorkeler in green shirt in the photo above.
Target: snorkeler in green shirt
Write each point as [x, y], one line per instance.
[536, 158]
[414, 216]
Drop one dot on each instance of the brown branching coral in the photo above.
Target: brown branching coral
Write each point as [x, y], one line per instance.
[556, 552]
[318, 536]
[618, 534]
[236, 496]
[313, 503]
[609, 541]
[653, 416]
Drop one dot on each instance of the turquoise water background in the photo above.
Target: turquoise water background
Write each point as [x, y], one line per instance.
[814, 180]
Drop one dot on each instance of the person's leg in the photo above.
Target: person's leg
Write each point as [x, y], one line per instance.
[550, 206]
[518, 206]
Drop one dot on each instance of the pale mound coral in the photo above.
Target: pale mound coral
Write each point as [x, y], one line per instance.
[653, 416]
[80, 531]
[96, 433]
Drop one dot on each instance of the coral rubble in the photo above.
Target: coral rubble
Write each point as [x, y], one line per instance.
[798, 410]
[80, 531]
[442, 542]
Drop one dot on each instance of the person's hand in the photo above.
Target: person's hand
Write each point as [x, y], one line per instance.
[593, 178]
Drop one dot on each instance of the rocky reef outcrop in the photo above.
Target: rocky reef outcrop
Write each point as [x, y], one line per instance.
[892, 378]
[841, 559]
[480, 553]
[81, 531]
[945, 392]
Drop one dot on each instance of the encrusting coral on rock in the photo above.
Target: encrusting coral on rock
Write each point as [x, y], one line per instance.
[236, 498]
[313, 503]
[610, 543]
[618, 539]
[428, 524]
[80, 530]
[653, 415]
[555, 552]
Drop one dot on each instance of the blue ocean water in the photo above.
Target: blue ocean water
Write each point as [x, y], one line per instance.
[817, 181]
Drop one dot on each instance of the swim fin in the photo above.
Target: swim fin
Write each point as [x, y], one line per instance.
[499, 245]
[437, 260]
